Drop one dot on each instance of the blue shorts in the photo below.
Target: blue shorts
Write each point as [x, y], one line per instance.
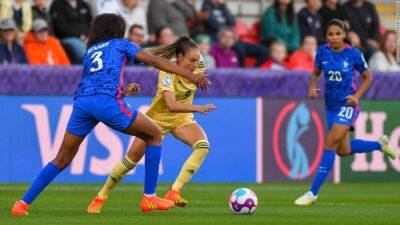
[346, 115]
[89, 110]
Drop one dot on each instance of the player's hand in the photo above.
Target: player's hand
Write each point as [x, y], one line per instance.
[352, 100]
[313, 92]
[201, 80]
[204, 109]
[131, 89]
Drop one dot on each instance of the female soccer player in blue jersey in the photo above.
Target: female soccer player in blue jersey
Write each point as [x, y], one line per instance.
[100, 98]
[338, 60]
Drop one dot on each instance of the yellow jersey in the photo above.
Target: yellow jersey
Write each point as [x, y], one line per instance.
[184, 93]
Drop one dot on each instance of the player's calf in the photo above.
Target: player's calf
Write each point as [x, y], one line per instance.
[200, 151]
[67, 151]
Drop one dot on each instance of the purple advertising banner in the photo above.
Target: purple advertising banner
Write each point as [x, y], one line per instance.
[57, 80]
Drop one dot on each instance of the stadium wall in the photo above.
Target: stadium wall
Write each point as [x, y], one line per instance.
[264, 130]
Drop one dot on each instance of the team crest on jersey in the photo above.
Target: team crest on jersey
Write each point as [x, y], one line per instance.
[167, 81]
[345, 64]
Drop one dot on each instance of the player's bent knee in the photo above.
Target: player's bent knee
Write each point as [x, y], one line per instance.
[158, 135]
[154, 138]
[343, 152]
[332, 142]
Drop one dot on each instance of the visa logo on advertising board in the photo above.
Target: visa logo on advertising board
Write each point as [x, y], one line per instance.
[49, 146]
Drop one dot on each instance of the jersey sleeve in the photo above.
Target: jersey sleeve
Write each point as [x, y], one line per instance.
[201, 65]
[318, 58]
[165, 81]
[360, 63]
[131, 49]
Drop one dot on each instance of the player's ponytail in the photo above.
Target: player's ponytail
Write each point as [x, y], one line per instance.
[180, 46]
[340, 23]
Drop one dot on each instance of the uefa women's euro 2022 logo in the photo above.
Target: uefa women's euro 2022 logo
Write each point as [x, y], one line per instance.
[297, 139]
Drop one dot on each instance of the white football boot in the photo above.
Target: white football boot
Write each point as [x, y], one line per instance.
[307, 199]
[386, 148]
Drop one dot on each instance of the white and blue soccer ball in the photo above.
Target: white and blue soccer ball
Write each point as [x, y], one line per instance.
[243, 201]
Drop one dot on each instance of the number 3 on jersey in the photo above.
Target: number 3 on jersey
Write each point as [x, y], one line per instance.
[335, 76]
[96, 61]
[346, 112]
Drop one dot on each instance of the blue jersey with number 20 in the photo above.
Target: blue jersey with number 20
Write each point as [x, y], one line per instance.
[103, 65]
[339, 71]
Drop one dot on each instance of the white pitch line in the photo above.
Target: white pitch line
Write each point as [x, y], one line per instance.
[356, 204]
[130, 188]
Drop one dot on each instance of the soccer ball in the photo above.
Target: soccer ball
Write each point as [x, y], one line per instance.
[243, 201]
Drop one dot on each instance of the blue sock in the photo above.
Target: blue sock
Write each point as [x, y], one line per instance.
[152, 163]
[48, 173]
[361, 146]
[325, 166]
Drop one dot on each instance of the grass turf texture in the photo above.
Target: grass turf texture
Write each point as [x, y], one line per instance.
[358, 203]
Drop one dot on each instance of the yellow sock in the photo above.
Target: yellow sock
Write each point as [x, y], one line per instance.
[119, 171]
[192, 164]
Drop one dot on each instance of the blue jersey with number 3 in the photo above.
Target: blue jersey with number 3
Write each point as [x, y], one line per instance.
[339, 72]
[103, 65]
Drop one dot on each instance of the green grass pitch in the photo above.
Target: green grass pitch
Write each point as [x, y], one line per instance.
[348, 204]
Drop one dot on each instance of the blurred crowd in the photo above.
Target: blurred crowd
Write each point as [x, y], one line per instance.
[280, 40]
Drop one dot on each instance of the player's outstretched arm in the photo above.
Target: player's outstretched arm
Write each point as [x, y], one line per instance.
[165, 65]
[313, 90]
[175, 106]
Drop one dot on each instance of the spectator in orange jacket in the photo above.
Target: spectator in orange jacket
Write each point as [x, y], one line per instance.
[303, 58]
[43, 49]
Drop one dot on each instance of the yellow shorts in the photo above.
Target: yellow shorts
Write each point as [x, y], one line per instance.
[166, 128]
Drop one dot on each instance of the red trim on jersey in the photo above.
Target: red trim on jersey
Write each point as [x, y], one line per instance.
[121, 93]
[121, 80]
[354, 82]
[355, 115]
[124, 108]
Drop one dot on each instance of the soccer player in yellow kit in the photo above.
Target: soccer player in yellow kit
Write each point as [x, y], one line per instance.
[172, 110]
